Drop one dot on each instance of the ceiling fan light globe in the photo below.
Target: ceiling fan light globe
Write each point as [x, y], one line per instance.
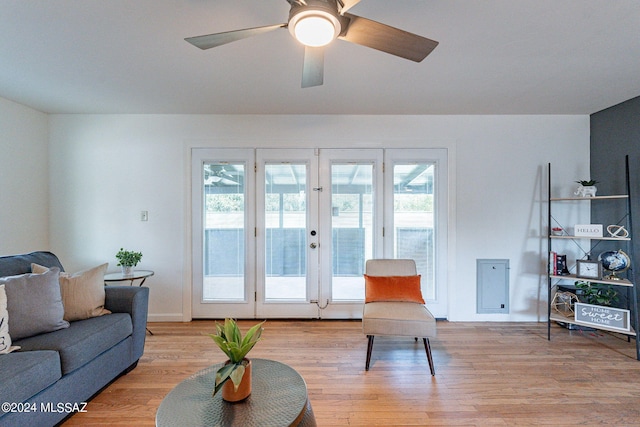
[314, 28]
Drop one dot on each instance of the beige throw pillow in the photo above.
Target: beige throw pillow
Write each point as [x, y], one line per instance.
[82, 292]
[5, 338]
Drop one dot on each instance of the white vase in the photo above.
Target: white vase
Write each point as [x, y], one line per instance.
[127, 270]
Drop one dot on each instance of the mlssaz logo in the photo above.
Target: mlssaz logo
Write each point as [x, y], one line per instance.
[63, 407]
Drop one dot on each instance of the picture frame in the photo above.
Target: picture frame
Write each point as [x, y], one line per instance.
[587, 269]
[614, 319]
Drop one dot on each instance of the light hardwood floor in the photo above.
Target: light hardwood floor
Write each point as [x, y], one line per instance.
[487, 374]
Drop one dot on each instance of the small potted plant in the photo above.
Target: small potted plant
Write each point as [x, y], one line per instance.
[589, 183]
[127, 260]
[596, 294]
[238, 367]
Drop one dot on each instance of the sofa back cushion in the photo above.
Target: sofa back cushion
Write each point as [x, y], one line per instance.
[34, 303]
[13, 265]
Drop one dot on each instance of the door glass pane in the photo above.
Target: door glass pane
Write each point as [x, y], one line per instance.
[224, 214]
[352, 228]
[286, 222]
[414, 220]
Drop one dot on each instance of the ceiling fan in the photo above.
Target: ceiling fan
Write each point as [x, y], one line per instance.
[316, 23]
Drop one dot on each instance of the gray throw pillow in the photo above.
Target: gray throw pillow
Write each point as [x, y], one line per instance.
[34, 303]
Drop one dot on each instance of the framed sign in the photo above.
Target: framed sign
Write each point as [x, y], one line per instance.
[588, 230]
[615, 319]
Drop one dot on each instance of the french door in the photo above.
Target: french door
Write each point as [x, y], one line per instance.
[223, 223]
[286, 233]
[416, 218]
[287, 240]
[351, 189]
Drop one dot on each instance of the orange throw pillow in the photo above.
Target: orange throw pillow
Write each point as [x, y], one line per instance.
[392, 288]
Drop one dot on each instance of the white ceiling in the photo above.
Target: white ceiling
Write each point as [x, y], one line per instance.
[494, 57]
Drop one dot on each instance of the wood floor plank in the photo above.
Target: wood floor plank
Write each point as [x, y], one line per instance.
[487, 374]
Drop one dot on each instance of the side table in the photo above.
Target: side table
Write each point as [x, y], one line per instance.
[278, 398]
[135, 275]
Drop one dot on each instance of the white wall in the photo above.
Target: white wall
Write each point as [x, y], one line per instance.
[24, 179]
[105, 169]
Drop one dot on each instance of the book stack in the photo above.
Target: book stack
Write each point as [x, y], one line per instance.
[558, 264]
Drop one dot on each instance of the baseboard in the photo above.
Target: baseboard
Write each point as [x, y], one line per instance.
[171, 317]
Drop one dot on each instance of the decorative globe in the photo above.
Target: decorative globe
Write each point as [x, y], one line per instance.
[615, 261]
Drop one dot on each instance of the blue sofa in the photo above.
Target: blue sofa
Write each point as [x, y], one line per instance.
[54, 374]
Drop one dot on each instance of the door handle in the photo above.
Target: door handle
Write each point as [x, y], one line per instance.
[313, 245]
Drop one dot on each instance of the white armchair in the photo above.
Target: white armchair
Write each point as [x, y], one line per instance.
[396, 315]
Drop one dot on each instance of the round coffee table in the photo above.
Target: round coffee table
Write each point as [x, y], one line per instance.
[278, 398]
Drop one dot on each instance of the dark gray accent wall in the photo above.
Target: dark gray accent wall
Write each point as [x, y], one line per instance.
[615, 132]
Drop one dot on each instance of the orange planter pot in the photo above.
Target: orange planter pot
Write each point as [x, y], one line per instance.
[244, 389]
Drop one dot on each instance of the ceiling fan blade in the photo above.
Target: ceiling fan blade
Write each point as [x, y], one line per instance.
[218, 39]
[313, 68]
[346, 5]
[375, 35]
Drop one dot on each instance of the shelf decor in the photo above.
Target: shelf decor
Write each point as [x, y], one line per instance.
[563, 302]
[617, 231]
[586, 269]
[558, 264]
[615, 262]
[587, 188]
[596, 293]
[557, 231]
[616, 319]
[588, 230]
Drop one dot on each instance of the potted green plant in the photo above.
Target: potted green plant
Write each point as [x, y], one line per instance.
[127, 260]
[238, 368]
[587, 183]
[596, 294]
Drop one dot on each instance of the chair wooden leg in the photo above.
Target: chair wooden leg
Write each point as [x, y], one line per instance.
[369, 349]
[427, 347]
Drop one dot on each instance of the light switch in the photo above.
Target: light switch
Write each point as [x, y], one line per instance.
[144, 216]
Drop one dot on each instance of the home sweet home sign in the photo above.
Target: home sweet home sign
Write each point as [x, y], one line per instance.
[615, 319]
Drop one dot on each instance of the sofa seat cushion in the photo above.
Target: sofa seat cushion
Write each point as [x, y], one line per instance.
[83, 340]
[25, 374]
